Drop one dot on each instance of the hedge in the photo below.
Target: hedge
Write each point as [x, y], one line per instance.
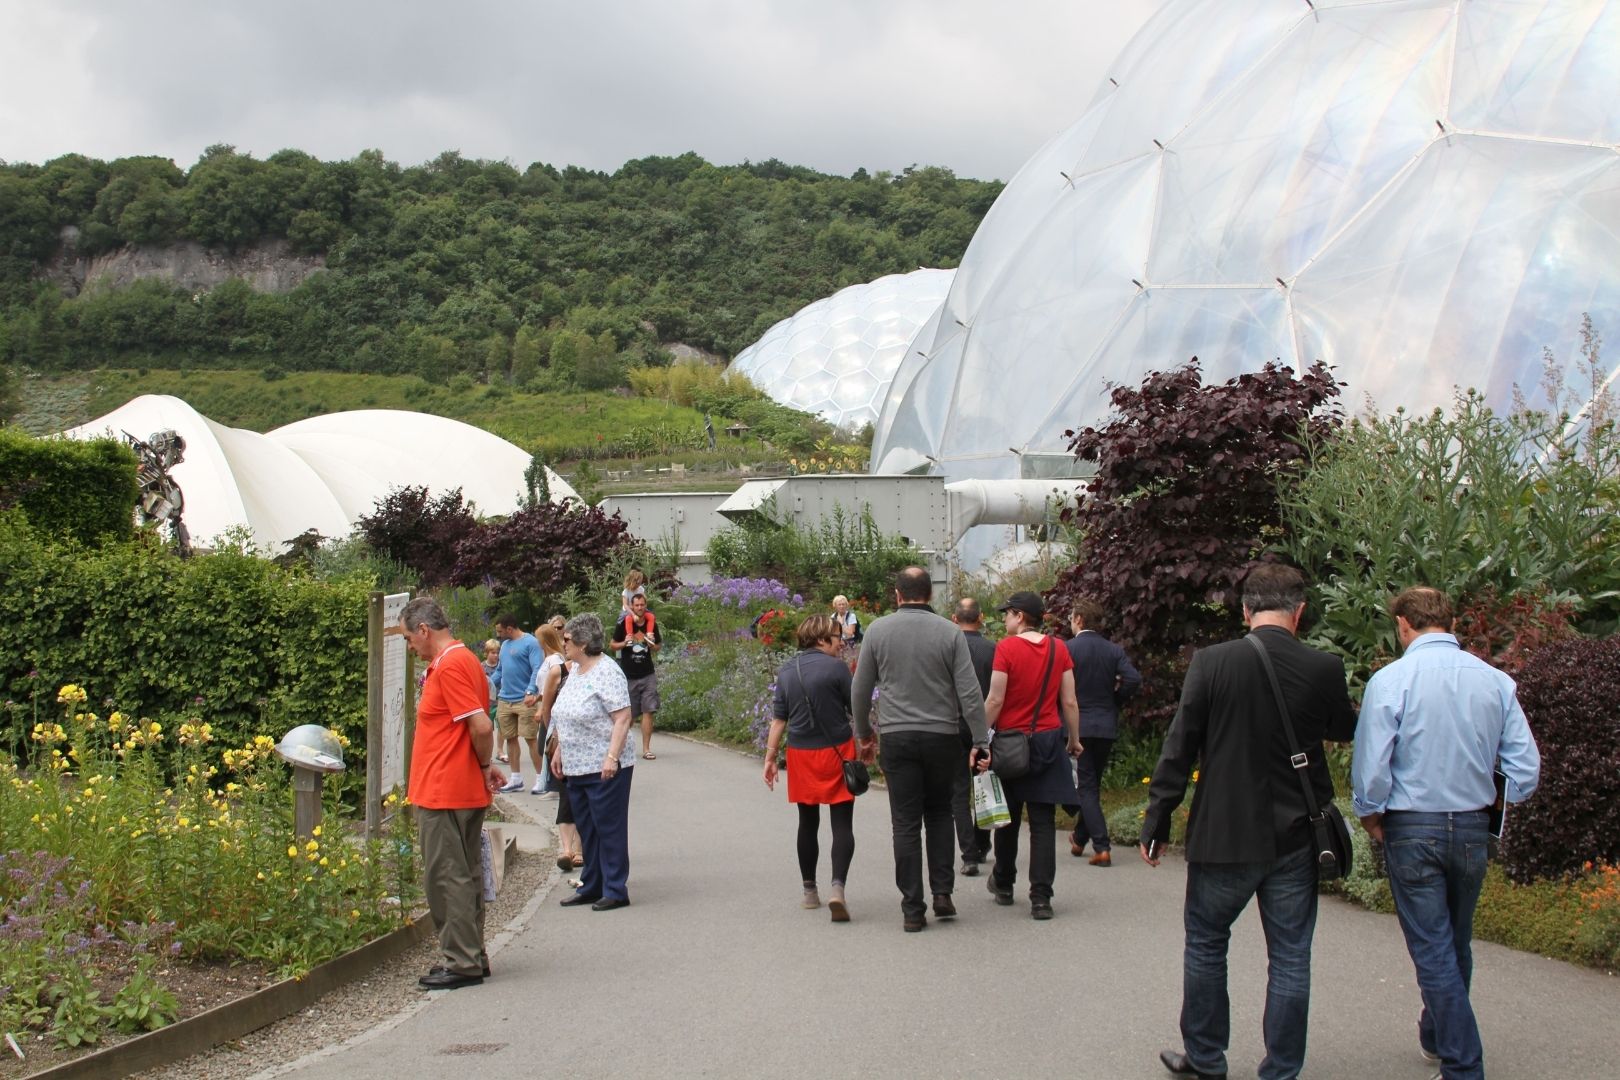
[69, 488]
[251, 647]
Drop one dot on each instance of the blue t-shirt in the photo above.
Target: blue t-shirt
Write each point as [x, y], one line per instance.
[515, 672]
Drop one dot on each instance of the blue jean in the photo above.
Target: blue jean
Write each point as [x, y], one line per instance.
[602, 815]
[1217, 893]
[1436, 867]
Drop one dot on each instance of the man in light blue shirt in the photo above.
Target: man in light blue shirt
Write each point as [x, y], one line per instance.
[517, 700]
[1434, 726]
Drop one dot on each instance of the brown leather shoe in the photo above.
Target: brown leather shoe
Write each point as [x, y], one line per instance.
[1075, 848]
[1102, 858]
[943, 907]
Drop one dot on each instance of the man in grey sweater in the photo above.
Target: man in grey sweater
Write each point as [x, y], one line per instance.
[923, 671]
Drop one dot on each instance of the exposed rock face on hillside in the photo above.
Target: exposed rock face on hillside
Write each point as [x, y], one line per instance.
[269, 266]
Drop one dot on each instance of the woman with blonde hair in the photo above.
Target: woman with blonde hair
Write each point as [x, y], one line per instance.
[812, 707]
[553, 669]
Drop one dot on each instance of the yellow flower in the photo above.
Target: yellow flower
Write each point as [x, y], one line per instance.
[323, 860]
[154, 729]
[316, 831]
[184, 822]
[71, 694]
[354, 913]
[292, 851]
[1147, 779]
[260, 875]
[312, 846]
[1195, 776]
[116, 721]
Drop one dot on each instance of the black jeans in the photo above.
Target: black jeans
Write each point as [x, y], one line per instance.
[1042, 849]
[1091, 765]
[973, 841]
[921, 769]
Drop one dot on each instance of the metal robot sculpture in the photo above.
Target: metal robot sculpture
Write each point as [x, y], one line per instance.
[160, 500]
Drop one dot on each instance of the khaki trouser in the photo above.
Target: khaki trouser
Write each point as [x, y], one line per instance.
[453, 872]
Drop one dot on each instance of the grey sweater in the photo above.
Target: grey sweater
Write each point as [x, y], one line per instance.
[920, 662]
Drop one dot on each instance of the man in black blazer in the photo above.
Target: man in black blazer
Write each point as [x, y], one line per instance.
[1104, 679]
[1247, 833]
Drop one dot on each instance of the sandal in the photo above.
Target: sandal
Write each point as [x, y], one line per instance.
[649, 756]
[578, 861]
[565, 861]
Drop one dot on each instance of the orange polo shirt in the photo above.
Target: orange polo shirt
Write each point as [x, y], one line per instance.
[444, 770]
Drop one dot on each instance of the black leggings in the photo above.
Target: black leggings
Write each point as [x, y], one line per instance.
[843, 839]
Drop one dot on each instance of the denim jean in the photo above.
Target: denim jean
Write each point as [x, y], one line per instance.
[920, 769]
[1217, 893]
[1436, 867]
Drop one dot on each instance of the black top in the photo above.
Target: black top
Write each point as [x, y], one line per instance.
[1104, 679]
[824, 689]
[636, 659]
[1248, 806]
[983, 654]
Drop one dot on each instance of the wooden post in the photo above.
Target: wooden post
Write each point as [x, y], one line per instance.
[306, 801]
[374, 708]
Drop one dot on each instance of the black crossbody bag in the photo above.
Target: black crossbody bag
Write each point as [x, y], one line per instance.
[1009, 750]
[1328, 828]
[857, 778]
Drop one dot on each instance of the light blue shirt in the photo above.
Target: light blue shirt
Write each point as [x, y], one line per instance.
[517, 667]
[1433, 726]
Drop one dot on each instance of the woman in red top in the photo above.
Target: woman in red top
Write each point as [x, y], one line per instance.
[1031, 684]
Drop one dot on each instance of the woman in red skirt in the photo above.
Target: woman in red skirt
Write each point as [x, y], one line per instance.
[812, 707]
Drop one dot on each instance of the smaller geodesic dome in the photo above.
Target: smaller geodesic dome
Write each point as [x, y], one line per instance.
[322, 473]
[836, 356]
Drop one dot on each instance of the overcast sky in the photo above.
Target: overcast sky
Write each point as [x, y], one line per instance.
[833, 84]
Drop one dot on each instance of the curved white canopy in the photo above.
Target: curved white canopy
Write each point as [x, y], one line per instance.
[322, 473]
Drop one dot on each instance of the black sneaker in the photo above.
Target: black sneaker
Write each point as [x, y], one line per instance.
[1004, 897]
[1040, 909]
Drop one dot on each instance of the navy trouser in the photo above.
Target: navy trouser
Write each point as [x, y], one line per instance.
[602, 815]
[1217, 893]
[1436, 867]
[1089, 768]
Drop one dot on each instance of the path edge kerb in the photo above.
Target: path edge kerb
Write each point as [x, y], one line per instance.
[193, 1035]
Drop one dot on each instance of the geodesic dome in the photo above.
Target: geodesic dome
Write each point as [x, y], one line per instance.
[322, 473]
[1422, 194]
[835, 357]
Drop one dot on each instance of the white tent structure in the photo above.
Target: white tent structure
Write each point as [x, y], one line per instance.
[321, 473]
[1422, 193]
[834, 357]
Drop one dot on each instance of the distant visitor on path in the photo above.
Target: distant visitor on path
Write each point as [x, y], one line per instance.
[452, 774]
[637, 640]
[1104, 680]
[812, 708]
[596, 752]
[1032, 693]
[517, 697]
[1434, 725]
[849, 624]
[921, 666]
[1248, 834]
[973, 841]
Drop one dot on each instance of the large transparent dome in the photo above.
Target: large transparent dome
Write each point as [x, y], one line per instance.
[1423, 194]
[835, 357]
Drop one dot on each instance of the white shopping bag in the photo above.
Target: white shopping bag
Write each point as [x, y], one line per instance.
[989, 803]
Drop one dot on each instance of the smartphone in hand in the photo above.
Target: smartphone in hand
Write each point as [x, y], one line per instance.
[1155, 848]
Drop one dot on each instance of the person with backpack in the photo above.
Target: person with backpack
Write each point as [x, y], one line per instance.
[637, 640]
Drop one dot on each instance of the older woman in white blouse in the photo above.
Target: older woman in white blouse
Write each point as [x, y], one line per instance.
[596, 752]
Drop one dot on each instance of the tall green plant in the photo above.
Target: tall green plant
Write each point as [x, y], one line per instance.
[1470, 502]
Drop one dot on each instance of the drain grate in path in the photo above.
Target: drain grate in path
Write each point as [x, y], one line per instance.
[466, 1049]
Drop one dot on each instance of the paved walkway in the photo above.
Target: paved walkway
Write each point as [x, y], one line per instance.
[714, 971]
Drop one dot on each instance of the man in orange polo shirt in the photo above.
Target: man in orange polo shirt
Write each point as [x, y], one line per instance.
[451, 778]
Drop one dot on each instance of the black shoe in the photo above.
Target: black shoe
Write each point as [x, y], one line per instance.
[578, 900]
[609, 904]
[970, 869]
[1003, 896]
[914, 923]
[943, 907]
[1040, 909]
[1178, 1064]
[440, 969]
[448, 980]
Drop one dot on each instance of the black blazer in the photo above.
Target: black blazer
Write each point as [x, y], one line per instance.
[1247, 805]
[1104, 679]
[983, 653]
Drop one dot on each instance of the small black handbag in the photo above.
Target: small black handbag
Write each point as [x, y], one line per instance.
[1009, 750]
[1334, 853]
[857, 778]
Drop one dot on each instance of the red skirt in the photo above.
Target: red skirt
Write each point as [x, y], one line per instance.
[817, 776]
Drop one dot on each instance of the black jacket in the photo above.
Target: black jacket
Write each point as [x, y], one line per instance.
[1247, 805]
[1104, 679]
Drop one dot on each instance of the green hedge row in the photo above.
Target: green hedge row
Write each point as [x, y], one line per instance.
[83, 490]
[248, 646]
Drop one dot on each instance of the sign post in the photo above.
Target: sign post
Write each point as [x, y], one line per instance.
[388, 705]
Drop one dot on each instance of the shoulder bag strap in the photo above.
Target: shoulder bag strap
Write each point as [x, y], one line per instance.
[814, 719]
[1040, 698]
[1298, 758]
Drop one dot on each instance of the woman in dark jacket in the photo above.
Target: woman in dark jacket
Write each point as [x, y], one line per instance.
[812, 706]
[1031, 686]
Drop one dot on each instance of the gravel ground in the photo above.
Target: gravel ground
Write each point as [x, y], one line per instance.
[379, 1000]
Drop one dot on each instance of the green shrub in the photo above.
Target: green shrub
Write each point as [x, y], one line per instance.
[69, 488]
[845, 554]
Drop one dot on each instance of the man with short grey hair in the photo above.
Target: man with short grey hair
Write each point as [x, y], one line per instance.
[923, 671]
[450, 782]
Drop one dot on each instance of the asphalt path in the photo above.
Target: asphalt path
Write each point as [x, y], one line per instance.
[715, 971]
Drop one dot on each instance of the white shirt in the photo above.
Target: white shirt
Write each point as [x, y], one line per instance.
[582, 716]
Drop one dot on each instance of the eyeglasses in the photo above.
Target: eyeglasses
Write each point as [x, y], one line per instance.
[568, 640]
